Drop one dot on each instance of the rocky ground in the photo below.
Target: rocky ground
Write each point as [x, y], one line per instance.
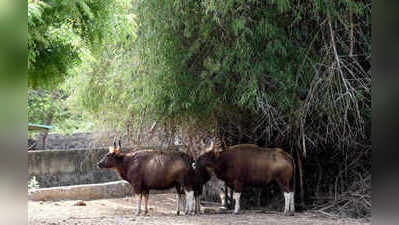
[161, 212]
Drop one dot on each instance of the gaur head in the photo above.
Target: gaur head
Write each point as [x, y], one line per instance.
[113, 158]
[208, 157]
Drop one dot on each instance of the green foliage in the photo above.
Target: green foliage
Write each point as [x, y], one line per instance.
[52, 108]
[273, 62]
[270, 63]
[66, 38]
[61, 31]
[199, 57]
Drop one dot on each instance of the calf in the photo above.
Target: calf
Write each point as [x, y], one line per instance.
[153, 169]
[247, 164]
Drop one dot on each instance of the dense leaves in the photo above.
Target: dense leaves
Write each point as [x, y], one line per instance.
[60, 31]
[64, 37]
[276, 69]
[293, 73]
[51, 108]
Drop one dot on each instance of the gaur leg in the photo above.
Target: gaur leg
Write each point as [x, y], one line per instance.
[198, 209]
[224, 192]
[197, 202]
[288, 196]
[189, 201]
[222, 196]
[286, 202]
[146, 195]
[183, 202]
[140, 195]
[179, 203]
[238, 188]
[292, 204]
[236, 197]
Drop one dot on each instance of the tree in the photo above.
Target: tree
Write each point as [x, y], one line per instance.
[63, 35]
[62, 32]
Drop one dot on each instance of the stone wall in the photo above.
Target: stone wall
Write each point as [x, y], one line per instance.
[68, 167]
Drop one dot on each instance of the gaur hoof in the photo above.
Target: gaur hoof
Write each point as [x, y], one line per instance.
[191, 213]
[137, 213]
[288, 213]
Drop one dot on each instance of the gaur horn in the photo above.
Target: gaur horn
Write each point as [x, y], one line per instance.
[114, 142]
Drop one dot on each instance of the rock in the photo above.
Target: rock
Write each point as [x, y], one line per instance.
[80, 203]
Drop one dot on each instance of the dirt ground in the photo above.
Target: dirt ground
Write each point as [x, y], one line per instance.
[161, 211]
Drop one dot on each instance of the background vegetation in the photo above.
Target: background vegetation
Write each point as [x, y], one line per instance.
[284, 73]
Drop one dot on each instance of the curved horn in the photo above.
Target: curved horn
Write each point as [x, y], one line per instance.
[114, 142]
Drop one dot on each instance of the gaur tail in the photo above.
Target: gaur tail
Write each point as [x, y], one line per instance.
[293, 180]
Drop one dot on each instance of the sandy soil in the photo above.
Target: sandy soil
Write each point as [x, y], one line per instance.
[162, 211]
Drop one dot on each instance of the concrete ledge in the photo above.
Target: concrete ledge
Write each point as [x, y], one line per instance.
[54, 168]
[82, 192]
[116, 189]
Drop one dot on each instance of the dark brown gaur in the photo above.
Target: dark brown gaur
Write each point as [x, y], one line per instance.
[153, 169]
[249, 165]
